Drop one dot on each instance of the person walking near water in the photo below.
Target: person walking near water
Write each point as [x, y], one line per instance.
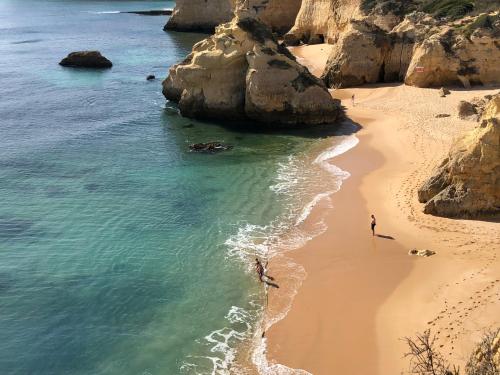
[353, 100]
[374, 224]
[262, 275]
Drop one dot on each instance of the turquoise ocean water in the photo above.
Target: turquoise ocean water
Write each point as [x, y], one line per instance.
[121, 251]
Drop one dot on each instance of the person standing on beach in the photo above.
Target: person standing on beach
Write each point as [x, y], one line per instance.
[352, 99]
[374, 224]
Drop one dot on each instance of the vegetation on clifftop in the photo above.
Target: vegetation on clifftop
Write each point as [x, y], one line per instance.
[451, 9]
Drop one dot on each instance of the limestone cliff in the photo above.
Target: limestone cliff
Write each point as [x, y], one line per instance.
[241, 72]
[422, 43]
[200, 15]
[420, 50]
[279, 15]
[205, 15]
[467, 183]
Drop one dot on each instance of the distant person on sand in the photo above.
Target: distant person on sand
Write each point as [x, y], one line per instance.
[353, 100]
[374, 224]
[262, 275]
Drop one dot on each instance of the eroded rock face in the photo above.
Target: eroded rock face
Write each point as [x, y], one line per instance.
[279, 15]
[86, 59]
[358, 56]
[467, 183]
[200, 15]
[279, 90]
[328, 19]
[205, 15]
[241, 72]
[414, 48]
[449, 57]
[325, 18]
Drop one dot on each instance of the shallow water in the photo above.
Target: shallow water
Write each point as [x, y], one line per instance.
[122, 252]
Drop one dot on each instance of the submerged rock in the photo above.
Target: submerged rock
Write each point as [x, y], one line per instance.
[86, 59]
[210, 147]
[242, 73]
[151, 77]
[467, 183]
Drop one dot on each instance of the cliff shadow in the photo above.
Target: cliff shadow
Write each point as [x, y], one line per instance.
[247, 143]
[343, 125]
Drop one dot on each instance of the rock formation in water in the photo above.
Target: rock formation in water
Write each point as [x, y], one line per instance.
[467, 183]
[241, 72]
[200, 15]
[86, 59]
[205, 15]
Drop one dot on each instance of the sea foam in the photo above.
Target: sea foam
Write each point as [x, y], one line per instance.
[288, 232]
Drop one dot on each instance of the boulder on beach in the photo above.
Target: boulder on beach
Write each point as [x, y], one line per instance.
[443, 91]
[467, 183]
[467, 111]
[86, 59]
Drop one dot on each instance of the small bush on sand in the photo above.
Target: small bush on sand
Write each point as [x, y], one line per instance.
[425, 359]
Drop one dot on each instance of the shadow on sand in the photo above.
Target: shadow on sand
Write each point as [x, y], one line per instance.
[385, 237]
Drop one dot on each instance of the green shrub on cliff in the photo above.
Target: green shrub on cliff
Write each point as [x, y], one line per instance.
[398, 7]
[452, 9]
[484, 21]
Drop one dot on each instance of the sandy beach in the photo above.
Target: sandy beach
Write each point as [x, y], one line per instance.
[363, 294]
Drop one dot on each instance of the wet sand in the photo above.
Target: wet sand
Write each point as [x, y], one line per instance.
[363, 294]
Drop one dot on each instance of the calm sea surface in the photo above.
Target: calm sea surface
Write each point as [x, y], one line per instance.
[122, 252]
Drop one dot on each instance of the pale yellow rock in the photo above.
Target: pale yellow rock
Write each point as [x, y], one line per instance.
[200, 15]
[419, 50]
[327, 18]
[467, 183]
[357, 57]
[450, 58]
[279, 14]
[205, 15]
[242, 73]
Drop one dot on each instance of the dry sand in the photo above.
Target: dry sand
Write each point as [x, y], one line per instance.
[362, 294]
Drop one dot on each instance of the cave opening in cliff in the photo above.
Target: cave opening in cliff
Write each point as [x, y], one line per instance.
[381, 73]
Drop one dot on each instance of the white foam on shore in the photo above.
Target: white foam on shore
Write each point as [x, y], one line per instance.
[288, 232]
[310, 206]
[223, 343]
[259, 358]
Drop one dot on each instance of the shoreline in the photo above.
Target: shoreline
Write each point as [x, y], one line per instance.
[362, 294]
[340, 271]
